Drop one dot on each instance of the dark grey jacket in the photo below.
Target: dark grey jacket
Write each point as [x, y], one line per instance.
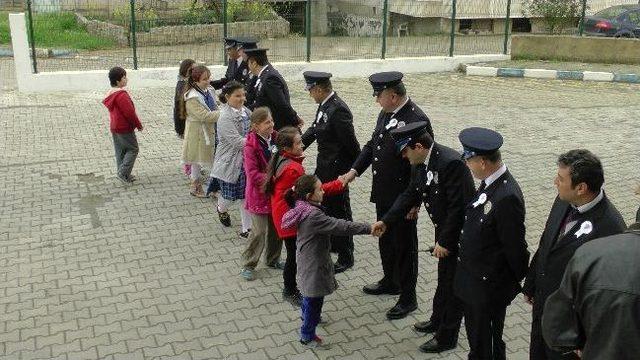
[315, 267]
[597, 307]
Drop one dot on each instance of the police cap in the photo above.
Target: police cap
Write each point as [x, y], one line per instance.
[479, 141]
[384, 80]
[230, 42]
[246, 43]
[312, 78]
[409, 134]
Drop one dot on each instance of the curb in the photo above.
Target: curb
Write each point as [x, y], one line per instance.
[552, 74]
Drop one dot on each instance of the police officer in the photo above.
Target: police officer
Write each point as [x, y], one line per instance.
[338, 148]
[493, 254]
[233, 68]
[399, 244]
[271, 90]
[441, 180]
[248, 79]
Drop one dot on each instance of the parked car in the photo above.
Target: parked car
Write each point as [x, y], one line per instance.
[615, 21]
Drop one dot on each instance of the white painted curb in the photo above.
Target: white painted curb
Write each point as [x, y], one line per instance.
[482, 71]
[597, 76]
[540, 73]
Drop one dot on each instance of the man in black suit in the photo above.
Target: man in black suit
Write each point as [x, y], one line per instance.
[391, 173]
[271, 90]
[247, 78]
[236, 69]
[581, 212]
[338, 148]
[441, 180]
[493, 255]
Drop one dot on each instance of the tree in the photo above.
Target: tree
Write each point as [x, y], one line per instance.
[556, 14]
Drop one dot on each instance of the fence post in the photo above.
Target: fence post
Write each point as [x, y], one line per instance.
[307, 23]
[507, 27]
[225, 30]
[32, 40]
[453, 28]
[584, 13]
[385, 14]
[134, 43]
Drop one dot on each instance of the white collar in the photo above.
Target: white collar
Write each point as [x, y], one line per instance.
[327, 98]
[239, 61]
[237, 111]
[493, 177]
[268, 140]
[401, 106]
[588, 206]
[263, 69]
[426, 161]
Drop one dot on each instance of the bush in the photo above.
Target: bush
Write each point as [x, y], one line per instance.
[556, 14]
[61, 30]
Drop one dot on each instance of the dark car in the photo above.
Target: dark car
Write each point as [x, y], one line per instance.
[615, 21]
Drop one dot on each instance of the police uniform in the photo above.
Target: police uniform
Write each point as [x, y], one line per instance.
[248, 79]
[493, 255]
[445, 185]
[338, 148]
[271, 91]
[235, 71]
[391, 173]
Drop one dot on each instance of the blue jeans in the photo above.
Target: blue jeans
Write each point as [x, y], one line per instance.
[311, 310]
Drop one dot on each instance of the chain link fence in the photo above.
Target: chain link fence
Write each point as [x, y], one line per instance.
[97, 34]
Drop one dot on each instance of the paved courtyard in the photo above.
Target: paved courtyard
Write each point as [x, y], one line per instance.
[91, 269]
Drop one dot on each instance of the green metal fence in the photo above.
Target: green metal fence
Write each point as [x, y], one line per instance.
[96, 34]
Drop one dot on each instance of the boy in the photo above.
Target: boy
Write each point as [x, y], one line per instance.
[123, 122]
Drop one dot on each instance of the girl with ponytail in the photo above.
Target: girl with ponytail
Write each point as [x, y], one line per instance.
[285, 167]
[315, 276]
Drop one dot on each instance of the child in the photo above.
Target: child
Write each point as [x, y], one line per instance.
[122, 123]
[285, 167]
[256, 155]
[179, 112]
[199, 133]
[315, 276]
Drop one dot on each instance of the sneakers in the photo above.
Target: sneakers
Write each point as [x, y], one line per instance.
[248, 274]
[244, 234]
[224, 217]
[294, 299]
[278, 265]
[315, 343]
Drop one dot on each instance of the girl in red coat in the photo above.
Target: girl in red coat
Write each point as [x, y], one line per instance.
[285, 167]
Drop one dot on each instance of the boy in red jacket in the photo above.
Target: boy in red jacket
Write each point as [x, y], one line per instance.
[122, 123]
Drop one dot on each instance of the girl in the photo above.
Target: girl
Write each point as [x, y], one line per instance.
[314, 265]
[179, 112]
[257, 152]
[232, 129]
[285, 167]
[199, 135]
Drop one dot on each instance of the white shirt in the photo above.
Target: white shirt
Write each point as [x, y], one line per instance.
[263, 69]
[426, 161]
[493, 177]
[327, 98]
[583, 209]
[401, 106]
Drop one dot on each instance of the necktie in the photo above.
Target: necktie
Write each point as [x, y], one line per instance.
[482, 186]
[571, 216]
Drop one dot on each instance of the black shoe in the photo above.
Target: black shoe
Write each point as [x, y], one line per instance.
[294, 299]
[432, 346]
[224, 217]
[426, 327]
[245, 234]
[401, 311]
[338, 268]
[377, 289]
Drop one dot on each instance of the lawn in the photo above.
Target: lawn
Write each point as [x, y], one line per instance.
[58, 31]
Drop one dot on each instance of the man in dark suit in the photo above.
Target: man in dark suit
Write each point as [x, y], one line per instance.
[391, 173]
[493, 255]
[271, 90]
[338, 148]
[247, 78]
[441, 180]
[236, 69]
[581, 212]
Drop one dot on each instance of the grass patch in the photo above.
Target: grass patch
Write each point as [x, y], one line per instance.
[59, 31]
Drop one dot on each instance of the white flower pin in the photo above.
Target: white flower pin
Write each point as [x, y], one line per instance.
[481, 200]
[585, 229]
[429, 177]
[392, 123]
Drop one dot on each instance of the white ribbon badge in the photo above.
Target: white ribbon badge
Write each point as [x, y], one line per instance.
[481, 200]
[585, 229]
[429, 177]
[392, 123]
[319, 116]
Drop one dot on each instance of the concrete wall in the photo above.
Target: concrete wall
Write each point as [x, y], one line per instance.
[105, 29]
[574, 48]
[166, 77]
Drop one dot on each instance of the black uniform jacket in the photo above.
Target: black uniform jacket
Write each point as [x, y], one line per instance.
[271, 91]
[493, 255]
[597, 307]
[234, 72]
[338, 146]
[391, 172]
[445, 193]
[549, 262]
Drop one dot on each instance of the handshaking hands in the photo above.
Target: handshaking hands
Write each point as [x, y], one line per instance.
[378, 228]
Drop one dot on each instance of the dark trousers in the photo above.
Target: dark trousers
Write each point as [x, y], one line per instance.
[447, 308]
[126, 151]
[399, 255]
[311, 309]
[214, 185]
[484, 323]
[290, 266]
[339, 206]
[539, 350]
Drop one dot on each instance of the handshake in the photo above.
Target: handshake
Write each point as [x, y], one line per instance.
[348, 177]
[378, 228]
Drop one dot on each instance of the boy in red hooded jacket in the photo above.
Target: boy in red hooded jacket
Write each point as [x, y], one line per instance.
[122, 123]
